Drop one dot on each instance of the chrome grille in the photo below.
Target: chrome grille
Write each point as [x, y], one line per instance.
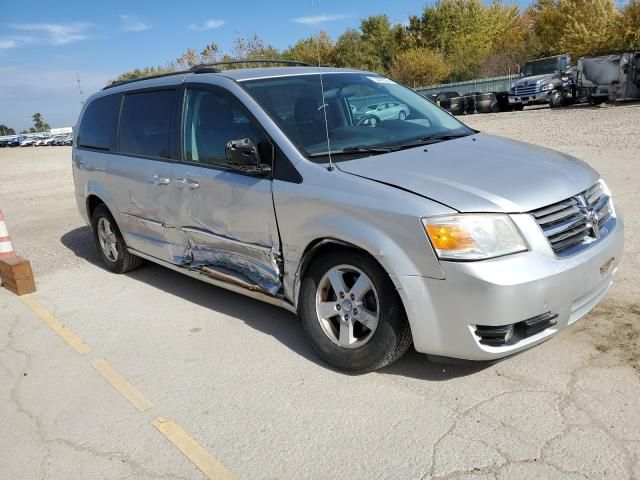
[526, 89]
[576, 221]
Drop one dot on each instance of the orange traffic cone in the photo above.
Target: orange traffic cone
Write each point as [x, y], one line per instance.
[6, 247]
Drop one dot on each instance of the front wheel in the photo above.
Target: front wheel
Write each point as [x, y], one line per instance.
[352, 313]
[556, 99]
[402, 115]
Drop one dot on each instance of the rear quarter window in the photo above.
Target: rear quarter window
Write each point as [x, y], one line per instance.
[145, 123]
[99, 122]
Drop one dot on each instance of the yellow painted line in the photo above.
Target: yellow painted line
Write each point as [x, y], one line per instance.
[56, 325]
[191, 449]
[121, 384]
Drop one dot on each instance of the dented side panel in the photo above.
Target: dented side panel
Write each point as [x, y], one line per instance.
[254, 263]
[228, 225]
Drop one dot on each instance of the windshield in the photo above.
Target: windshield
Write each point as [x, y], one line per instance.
[363, 111]
[541, 67]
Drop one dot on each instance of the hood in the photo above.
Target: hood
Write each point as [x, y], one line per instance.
[544, 78]
[480, 173]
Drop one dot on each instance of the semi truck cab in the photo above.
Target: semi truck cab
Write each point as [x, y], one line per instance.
[545, 80]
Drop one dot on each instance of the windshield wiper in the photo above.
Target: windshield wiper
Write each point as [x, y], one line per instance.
[352, 150]
[429, 139]
[426, 140]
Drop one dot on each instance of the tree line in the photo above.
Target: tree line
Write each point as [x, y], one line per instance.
[39, 125]
[451, 40]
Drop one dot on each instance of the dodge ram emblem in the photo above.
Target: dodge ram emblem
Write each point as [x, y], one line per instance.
[590, 215]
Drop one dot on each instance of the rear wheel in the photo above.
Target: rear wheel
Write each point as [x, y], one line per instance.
[110, 242]
[352, 313]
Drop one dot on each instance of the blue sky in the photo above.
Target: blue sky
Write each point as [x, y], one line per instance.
[43, 45]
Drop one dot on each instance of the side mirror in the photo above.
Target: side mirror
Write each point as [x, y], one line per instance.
[243, 154]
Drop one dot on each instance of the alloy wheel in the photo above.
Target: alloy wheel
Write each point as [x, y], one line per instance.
[107, 239]
[347, 306]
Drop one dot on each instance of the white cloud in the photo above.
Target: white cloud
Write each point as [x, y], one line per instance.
[56, 33]
[207, 24]
[131, 23]
[316, 19]
[8, 43]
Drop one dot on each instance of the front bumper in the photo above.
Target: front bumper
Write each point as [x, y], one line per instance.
[444, 313]
[542, 97]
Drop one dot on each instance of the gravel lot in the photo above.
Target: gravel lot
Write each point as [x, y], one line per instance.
[240, 378]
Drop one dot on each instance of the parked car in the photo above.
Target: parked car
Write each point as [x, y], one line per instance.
[546, 80]
[27, 142]
[379, 236]
[51, 140]
[386, 111]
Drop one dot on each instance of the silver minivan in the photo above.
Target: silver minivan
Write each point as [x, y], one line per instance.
[379, 233]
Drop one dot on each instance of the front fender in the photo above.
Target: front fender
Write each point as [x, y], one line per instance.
[410, 258]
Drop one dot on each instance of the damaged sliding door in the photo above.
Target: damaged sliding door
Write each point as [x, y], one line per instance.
[226, 217]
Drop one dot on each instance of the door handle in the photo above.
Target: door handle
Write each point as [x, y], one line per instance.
[192, 184]
[158, 180]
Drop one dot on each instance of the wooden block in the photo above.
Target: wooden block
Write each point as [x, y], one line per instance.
[16, 266]
[17, 276]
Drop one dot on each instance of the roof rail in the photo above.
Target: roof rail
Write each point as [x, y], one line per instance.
[117, 83]
[205, 67]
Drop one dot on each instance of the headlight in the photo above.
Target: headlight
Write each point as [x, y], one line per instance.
[607, 192]
[548, 86]
[512, 90]
[476, 236]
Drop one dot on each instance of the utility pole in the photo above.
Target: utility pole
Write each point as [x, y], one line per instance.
[80, 88]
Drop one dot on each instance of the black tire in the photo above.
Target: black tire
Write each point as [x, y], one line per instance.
[391, 338]
[557, 99]
[402, 115]
[125, 261]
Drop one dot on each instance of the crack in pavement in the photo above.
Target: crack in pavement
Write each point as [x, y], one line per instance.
[563, 400]
[135, 467]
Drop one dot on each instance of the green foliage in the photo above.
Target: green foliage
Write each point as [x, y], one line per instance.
[451, 40]
[467, 32]
[39, 124]
[627, 27]
[314, 49]
[4, 130]
[252, 48]
[419, 66]
[577, 27]
[349, 51]
[379, 42]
